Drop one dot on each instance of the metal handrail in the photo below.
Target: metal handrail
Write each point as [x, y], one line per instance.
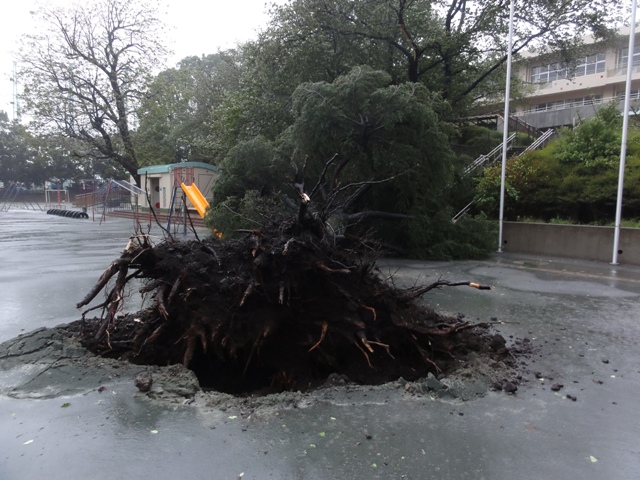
[539, 141]
[129, 186]
[491, 156]
[536, 144]
[461, 213]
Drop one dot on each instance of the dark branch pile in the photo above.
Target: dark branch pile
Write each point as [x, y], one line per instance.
[272, 310]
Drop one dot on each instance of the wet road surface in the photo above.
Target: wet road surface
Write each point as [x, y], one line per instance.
[582, 318]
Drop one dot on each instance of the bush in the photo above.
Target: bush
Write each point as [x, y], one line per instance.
[248, 212]
[575, 177]
[438, 238]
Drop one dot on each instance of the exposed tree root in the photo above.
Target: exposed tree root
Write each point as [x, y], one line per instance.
[277, 308]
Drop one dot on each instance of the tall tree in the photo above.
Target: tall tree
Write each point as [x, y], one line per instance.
[15, 152]
[374, 155]
[455, 47]
[374, 132]
[175, 113]
[31, 157]
[85, 73]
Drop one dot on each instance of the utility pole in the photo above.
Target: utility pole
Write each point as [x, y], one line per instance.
[625, 128]
[15, 102]
[505, 132]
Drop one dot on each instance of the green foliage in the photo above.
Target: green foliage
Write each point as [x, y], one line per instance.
[249, 211]
[14, 152]
[560, 221]
[519, 173]
[251, 166]
[574, 178]
[594, 142]
[631, 223]
[175, 114]
[243, 115]
[435, 237]
[374, 131]
[453, 49]
[31, 158]
[477, 140]
[247, 194]
[377, 130]
[523, 140]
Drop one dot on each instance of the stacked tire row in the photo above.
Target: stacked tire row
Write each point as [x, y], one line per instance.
[67, 213]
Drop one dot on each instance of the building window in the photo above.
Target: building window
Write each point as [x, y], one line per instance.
[548, 73]
[557, 71]
[590, 65]
[623, 56]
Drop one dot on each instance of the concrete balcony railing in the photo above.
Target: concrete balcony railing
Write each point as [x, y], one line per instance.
[580, 103]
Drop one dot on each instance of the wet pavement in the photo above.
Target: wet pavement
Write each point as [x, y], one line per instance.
[48, 263]
[582, 318]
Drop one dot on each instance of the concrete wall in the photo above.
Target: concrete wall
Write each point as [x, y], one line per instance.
[572, 241]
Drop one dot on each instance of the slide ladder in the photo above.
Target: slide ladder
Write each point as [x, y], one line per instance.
[195, 196]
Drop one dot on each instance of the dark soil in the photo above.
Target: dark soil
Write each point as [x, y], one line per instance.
[277, 310]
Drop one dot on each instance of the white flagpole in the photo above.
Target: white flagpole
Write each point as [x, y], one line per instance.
[505, 134]
[625, 126]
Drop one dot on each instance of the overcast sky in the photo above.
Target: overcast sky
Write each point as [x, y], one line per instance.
[198, 28]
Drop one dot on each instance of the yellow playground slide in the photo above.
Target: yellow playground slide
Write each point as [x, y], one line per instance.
[196, 197]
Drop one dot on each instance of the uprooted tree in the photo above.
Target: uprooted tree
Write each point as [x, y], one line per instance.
[389, 139]
[283, 306]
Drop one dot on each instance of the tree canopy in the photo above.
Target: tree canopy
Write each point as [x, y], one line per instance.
[454, 47]
[176, 112]
[30, 158]
[85, 73]
[15, 155]
[362, 148]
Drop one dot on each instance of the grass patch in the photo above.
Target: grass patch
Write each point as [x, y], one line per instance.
[633, 223]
